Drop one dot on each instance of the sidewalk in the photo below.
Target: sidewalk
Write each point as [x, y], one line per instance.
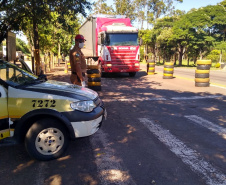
[59, 74]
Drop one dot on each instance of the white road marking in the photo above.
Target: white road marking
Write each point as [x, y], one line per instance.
[207, 124]
[161, 99]
[108, 165]
[189, 156]
[219, 86]
[196, 97]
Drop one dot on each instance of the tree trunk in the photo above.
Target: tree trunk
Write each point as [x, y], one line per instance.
[200, 55]
[175, 59]
[36, 45]
[59, 56]
[180, 54]
[195, 60]
[155, 52]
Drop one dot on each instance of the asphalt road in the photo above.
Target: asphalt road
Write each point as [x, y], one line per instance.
[158, 131]
[217, 77]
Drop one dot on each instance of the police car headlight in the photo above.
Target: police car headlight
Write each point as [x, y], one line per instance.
[84, 106]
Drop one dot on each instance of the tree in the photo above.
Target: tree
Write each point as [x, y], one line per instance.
[21, 46]
[18, 14]
[182, 35]
[207, 27]
[166, 45]
[101, 7]
[214, 56]
[159, 37]
[125, 7]
[151, 10]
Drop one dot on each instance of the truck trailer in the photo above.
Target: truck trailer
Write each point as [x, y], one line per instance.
[112, 42]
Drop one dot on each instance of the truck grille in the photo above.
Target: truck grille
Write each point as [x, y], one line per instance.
[119, 56]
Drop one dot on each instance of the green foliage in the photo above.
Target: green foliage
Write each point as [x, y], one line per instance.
[55, 32]
[101, 7]
[193, 33]
[142, 53]
[220, 45]
[125, 7]
[18, 15]
[22, 46]
[214, 56]
[217, 65]
[224, 57]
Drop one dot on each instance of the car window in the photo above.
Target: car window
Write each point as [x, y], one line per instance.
[15, 76]
[21, 64]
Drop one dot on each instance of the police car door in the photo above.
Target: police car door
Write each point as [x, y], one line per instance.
[4, 119]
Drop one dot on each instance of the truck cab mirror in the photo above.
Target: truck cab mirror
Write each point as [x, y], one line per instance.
[101, 37]
[99, 40]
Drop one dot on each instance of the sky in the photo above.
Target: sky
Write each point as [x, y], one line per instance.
[189, 4]
[186, 6]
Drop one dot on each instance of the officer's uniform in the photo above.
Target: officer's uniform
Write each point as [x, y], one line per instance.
[80, 61]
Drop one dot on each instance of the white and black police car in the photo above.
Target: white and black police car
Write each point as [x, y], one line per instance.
[45, 115]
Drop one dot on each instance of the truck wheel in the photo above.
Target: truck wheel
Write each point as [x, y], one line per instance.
[132, 74]
[46, 139]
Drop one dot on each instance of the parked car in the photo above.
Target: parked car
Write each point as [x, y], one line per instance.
[45, 115]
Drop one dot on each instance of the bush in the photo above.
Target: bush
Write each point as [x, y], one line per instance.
[214, 56]
[224, 57]
[217, 65]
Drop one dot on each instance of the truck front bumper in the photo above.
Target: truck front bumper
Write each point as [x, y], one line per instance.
[120, 69]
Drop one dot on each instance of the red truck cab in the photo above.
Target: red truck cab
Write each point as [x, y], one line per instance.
[114, 41]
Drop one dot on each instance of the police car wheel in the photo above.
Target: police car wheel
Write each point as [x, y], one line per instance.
[46, 139]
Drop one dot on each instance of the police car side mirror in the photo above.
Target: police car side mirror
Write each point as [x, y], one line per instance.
[42, 77]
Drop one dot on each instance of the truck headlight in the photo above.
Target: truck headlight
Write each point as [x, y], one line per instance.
[84, 106]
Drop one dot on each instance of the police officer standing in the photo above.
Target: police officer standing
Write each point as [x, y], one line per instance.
[77, 61]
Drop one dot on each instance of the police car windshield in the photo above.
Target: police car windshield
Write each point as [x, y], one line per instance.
[15, 76]
[121, 39]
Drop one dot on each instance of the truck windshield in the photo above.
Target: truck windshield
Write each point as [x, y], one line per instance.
[121, 39]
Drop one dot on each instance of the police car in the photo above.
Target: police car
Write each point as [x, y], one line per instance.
[45, 115]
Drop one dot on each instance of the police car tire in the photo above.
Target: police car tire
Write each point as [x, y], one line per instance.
[60, 139]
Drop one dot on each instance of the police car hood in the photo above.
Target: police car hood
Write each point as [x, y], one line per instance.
[53, 86]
